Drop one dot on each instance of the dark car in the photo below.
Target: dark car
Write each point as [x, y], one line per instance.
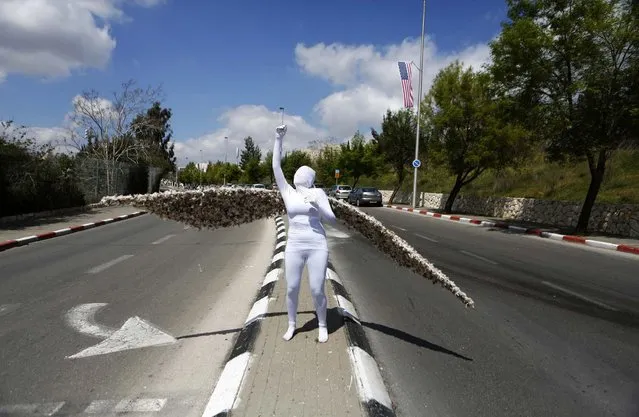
[365, 196]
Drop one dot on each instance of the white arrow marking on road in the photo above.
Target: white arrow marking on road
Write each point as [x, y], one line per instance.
[135, 333]
[81, 319]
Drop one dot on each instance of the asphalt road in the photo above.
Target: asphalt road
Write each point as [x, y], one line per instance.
[555, 331]
[196, 286]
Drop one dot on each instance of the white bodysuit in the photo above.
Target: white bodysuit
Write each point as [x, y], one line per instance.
[306, 243]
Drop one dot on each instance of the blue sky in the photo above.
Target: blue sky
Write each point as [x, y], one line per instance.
[226, 66]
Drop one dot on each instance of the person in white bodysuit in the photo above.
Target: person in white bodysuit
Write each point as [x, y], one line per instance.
[306, 245]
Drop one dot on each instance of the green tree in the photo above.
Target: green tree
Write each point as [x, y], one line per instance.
[396, 142]
[152, 130]
[292, 161]
[467, 130]
[267, 167]
[326, 164]
[252, 172]
[356, 158]
[573, 65]
[233, 172]
[190, 175]
[251, 152]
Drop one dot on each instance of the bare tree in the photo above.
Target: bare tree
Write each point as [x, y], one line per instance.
[103, 128]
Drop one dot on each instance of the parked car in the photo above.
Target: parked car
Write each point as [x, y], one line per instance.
[365, 196]
[340, 192]
[258, 186]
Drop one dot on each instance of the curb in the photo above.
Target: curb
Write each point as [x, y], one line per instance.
[227, 388]
[13, 243]
[529, 231]
[370, 384]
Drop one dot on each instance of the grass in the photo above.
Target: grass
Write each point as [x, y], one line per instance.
[536, 179]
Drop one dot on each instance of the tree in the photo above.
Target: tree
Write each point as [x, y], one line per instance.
[267, 167]
[467, 130]
[572, 64]
[102, 128]
[356, 158]
[292, 161]
[326, 164]
[153, 132]
[396, 142]
[190, 174]
[251, 152]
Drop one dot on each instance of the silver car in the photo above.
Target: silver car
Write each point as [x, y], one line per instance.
[365, 196]
[340, 192]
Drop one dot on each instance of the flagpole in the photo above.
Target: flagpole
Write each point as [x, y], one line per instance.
[419, 102]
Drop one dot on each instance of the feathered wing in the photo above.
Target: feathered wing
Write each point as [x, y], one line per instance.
[223, 207]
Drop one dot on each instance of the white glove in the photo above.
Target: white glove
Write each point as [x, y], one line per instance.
[281, 131]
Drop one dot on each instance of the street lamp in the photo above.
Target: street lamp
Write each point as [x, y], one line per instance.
[201, 170]
[419, 105]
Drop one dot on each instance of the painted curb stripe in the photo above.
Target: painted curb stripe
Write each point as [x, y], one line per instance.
[12, 243]
[529, 231]
[228, 386]
[371, 387]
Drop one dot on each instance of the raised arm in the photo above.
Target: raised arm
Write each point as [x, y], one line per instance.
[324, 207]
[284, 186]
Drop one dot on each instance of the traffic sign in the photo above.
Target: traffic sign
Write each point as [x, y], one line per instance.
[417, 163]
[337, 173]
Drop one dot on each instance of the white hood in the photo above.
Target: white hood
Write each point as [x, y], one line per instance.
[304, 177]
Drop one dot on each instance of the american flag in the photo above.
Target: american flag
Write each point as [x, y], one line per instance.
[407, 87]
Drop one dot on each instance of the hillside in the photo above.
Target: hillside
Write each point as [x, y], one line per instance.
[537, 179]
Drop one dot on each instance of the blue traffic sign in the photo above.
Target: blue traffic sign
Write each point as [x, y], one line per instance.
[417, 163]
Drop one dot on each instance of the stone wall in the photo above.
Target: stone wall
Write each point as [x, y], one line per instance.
[616, 219]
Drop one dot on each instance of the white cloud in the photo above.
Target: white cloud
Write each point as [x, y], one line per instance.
[52, 38]
[371, 78]
[248, 120]
[370, 84]
[367, 82]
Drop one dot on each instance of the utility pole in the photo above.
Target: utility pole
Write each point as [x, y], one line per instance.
[419, 104]
[282, 113]
[226, 142]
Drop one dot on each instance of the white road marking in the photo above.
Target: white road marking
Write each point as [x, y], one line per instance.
[63, 231]
[81, 319]
[330, 231]
[332, 275]
[8, 308]
[141, 405]
[280, 244]
[430, 239]
[400, 228]
[27, 238]
[271, 277]
[281, 235]
[108, 265]
[347, 307]
[368, 378]
[47, 409]
[278, 256]
[481, 258]
[144, 405]
[259, 308]
[577, 295]
[100, 406]
[162, 239]
[228, 385]
[135, 333]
